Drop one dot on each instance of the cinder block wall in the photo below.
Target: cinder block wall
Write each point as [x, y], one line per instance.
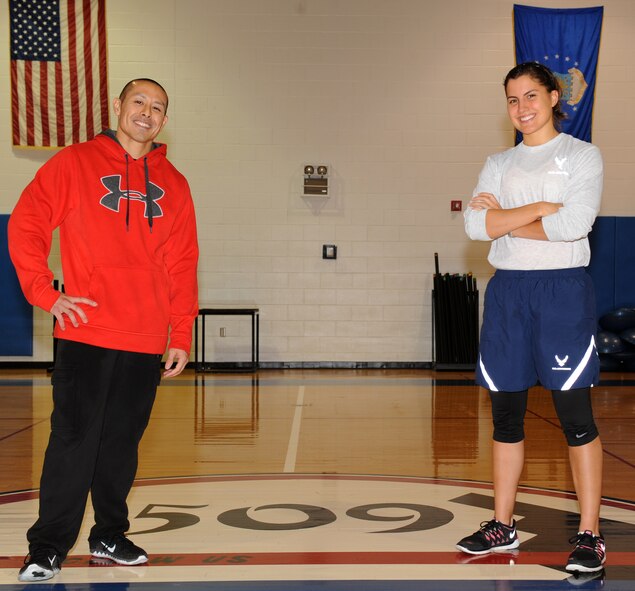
[402, 99]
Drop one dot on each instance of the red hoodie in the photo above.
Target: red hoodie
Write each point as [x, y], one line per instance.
[127, 240]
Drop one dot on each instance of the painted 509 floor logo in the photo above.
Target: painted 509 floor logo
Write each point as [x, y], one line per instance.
[425, 517]
[355, 506]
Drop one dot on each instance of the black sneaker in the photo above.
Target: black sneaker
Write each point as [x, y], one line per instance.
[589, 553]
[493, 536]
[41, 565]
[119, 549]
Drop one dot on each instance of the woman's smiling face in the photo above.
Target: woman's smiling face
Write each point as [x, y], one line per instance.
[530, 109]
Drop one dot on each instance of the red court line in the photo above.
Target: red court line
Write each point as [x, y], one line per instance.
[16, 497]
[12, 497]
[618, 503]
[342, 558]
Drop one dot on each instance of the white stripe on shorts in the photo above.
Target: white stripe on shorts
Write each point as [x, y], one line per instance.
[489, 380]
[578, 370]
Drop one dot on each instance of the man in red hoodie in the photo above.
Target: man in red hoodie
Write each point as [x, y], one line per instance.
[129, 255]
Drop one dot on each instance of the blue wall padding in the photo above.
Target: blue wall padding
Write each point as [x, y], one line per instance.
[602, 266]
[612, 264]
[625, 263]
[16, 314]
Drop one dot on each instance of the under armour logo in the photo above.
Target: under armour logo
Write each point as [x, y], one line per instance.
[561, 362]
[111, 200]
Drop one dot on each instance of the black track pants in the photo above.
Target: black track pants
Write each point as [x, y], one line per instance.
[102, 400]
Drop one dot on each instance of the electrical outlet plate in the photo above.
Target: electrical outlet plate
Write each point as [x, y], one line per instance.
[329, 251]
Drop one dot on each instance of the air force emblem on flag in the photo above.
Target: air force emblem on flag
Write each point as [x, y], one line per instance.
[573, 86]
[116, 194]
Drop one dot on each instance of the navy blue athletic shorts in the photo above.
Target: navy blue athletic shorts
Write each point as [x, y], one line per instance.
[538, 326]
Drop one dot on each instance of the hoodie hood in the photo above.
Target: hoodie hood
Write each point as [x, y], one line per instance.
[112, 134]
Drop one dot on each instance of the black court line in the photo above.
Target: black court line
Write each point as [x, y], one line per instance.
[27, 428]
[604, 450]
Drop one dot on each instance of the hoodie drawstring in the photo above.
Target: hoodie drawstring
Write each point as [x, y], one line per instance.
[149, 202]
[127, 196]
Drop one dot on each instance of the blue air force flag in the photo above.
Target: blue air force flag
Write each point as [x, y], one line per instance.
[567, 41]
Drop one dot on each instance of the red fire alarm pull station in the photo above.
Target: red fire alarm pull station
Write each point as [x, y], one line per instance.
[456, 205]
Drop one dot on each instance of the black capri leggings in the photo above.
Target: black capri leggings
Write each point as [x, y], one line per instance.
[573, 408]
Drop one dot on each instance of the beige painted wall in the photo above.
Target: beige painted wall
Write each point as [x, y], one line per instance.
[402, 99]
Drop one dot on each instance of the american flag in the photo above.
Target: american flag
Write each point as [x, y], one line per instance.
[59, 90]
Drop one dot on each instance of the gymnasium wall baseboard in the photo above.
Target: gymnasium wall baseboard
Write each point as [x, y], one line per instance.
[239, 366]
[347, 365]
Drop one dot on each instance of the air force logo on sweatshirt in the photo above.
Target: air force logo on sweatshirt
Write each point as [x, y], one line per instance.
[116, 194]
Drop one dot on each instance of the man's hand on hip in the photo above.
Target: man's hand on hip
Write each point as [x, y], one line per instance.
[68, 306]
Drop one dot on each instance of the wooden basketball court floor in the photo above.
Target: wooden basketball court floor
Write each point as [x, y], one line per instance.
[328, 479]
